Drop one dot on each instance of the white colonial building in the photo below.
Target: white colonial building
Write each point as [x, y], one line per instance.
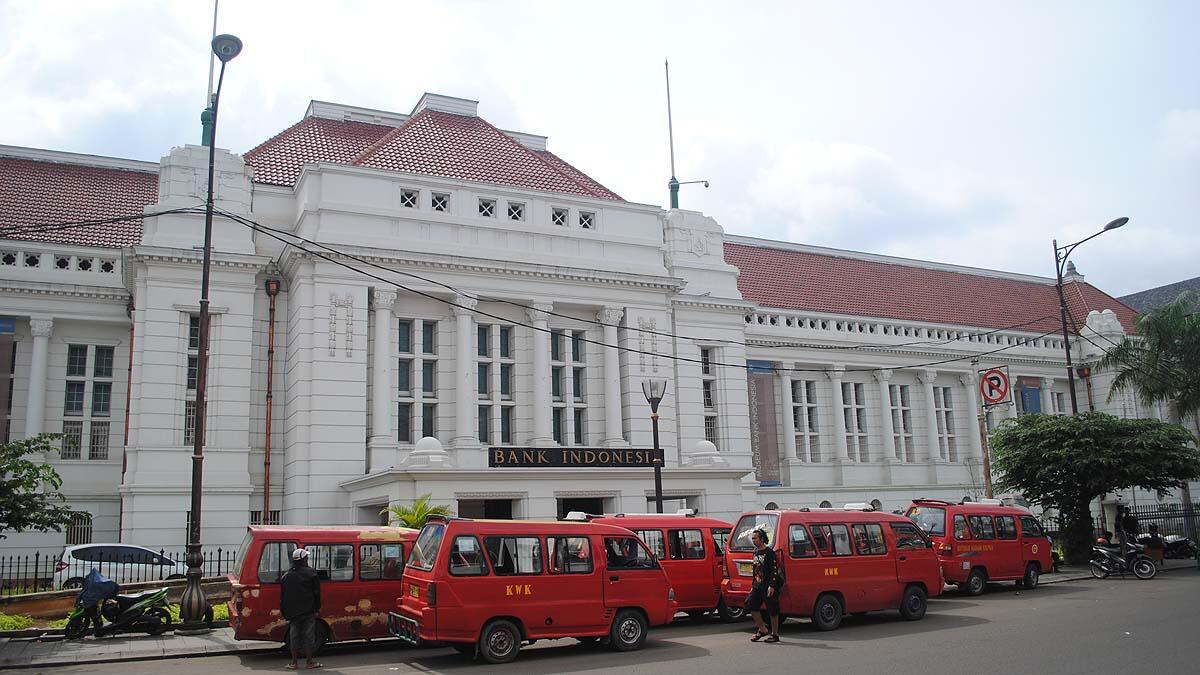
[457, 311]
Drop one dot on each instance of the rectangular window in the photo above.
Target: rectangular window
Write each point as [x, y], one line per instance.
[559, 216]
[1030, 527]
[104, 362]
[556, 377]
[429, 337]
[73, 402]
[981, 527]
[487, 208]
[98, 441]
[404, 423]
[505, 342]
[960, 528]
[336, 560]
[408, 199]
[944, 415]
[710, 430]
[77, 360]
[516, 211]
[569, 555]
[577, 383]
[799, 545]
[654, 541]
[193, 371]
[101, 398]
[831, 540]
[439, 202]
[429, 419]
[72, 440]
[686, 544]
[485, 424]
[854, 409]
[506, 424]
[276, 558]
[1006, 527]
[804, 418]
[706, 362]
[902, 432]
[556, 345]
[484, 380]
[189, 422]
[556, 420]
[580, 426]
[627, 553]
[429, 379]
[194, 332]
[404, 332]
[868, 539]
[587, 220]
[466, 558]
[506, 381]
[514, 555]
[708, 389]
[380, 561]
[484, 341]
[577, 342]
[907, 536]
[404, 377]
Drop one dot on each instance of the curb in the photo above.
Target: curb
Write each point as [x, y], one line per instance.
[119, 658]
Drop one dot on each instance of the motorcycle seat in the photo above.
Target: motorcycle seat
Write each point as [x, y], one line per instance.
[127, 601]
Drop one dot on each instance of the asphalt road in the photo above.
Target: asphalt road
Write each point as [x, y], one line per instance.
[1080, 627]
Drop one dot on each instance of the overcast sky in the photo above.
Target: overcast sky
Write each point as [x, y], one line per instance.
[964, 132]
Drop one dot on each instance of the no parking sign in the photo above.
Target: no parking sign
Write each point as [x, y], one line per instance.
[994, 386]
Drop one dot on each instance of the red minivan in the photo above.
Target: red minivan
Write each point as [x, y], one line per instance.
[984, 541]
[360, 570]
[491, 586]
[691, 550]
[838, 561]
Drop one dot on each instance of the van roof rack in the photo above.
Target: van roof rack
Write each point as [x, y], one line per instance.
[579, 516]
[928, 500]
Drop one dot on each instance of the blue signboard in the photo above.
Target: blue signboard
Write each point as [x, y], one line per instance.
[760, 366]
[1031, 399]
[8, 324]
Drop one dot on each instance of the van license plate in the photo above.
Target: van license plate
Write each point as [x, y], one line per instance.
[414, 591]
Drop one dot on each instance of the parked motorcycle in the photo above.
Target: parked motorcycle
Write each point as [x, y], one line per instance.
[1107, 560]
[100, 600]
[1174, 546]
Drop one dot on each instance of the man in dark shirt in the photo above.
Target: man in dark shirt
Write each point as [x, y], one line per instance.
[763, 601]
[300, 604]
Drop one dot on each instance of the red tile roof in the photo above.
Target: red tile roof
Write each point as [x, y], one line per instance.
[38, 193]
[820, 282]
[431, 142]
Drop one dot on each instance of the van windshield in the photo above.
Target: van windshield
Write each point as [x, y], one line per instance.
[931, 519]
[425, 549]
[740, 539]
[241, 556]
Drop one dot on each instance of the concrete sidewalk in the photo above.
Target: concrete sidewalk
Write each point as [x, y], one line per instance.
[54, 651]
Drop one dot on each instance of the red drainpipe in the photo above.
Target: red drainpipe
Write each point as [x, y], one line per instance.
[272, 291]
[125, 442]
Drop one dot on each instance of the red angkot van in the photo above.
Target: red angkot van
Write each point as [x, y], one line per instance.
[837, 561]
[691, 550]
[360, 570]
[984, 541]
[491, 586]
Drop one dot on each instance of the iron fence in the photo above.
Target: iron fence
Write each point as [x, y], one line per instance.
[1170, 518]
[124, 564]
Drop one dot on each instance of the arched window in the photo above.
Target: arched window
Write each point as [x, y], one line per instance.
[826, 504]
[876, 505]
[772, 506]
[79, 530]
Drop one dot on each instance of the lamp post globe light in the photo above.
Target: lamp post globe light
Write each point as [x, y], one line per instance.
[654, 391]
[194, 609]
[1061, 253]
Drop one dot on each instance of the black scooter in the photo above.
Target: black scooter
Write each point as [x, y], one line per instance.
[1174, 546]
[1107, 560]
[141, 613]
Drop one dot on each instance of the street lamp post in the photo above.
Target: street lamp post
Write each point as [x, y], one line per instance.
[654, 391]
[1061, 253]
[193, 606]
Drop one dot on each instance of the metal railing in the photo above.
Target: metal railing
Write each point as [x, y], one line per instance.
[41, 572]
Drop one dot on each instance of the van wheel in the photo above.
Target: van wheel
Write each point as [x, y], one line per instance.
[499, 641]
[72, 583]
[628, 631]
[323, 636]
[976, 582]
[827, 612]
[731, 614]
[1030, 581]
[914, 603]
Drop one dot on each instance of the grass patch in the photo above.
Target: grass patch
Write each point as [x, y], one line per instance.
[220, 612]
[14, 622]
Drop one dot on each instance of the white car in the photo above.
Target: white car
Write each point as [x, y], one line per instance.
[123, 563]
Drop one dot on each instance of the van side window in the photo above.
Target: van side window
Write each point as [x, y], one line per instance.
[514, 555]
[569, 555]
[831, 539]
[1030, 527]
[686, 544]
[720, 536]
[1006, 527]
[336, 560]
[907, 536]
[981, 527]
[466, 558]
[380, 561]
[868, 539]
[276, 559]
[960, 528]
[654, 541]
[799, 544]
[627, 553]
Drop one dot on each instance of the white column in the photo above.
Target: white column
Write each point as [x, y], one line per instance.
[35, 408]
[927, 378]
[839, 415]
[887, 428]
[1048, 395]
[789, 421]
[542, 433]
[465, 406]
[613, 432]
[969, 382]
[382, 443]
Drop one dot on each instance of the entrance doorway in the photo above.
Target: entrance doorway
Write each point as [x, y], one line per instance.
[496, 509]
[592, 505]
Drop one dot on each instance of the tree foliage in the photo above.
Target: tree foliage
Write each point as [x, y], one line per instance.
[1065, 462]
[415, 514]
[29, 496]
[1161, 363]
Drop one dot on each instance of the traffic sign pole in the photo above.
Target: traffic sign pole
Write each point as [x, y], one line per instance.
[994, 390]
[987, 459]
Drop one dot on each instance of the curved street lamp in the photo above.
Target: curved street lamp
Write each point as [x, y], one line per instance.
[193, 606]
[1061, 253]
[654, 391]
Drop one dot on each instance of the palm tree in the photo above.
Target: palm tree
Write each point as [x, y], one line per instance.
[1161, 364]
[414, 515]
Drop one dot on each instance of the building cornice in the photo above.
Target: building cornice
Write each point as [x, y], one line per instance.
[190, 257]
[78, 159]
[112, 294]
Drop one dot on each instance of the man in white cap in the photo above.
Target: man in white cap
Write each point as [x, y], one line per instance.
[300, 604]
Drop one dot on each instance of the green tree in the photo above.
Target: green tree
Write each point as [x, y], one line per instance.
[1161, 364]
[414, 515]
[29, 496]
[1064, 463]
